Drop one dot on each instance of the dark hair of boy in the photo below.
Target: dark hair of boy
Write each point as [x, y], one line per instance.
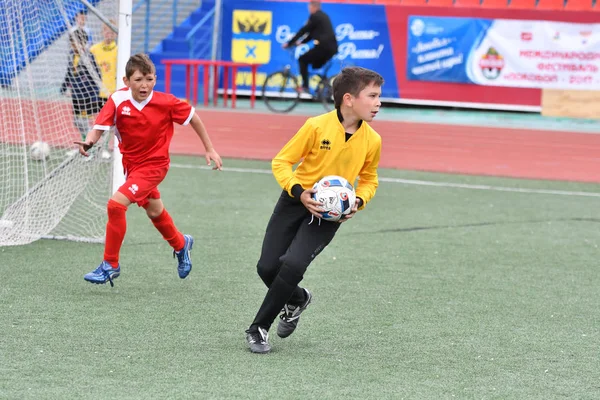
[79, 37]
[353, 80]
[139, 62]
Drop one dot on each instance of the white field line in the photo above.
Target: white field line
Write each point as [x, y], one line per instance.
[420, 182]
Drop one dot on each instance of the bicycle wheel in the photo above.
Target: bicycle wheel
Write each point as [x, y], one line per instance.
[280, 91]
[324, 93]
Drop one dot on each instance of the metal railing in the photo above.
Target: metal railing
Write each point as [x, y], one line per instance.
[199, 47]
[164, 14]
[158, 14]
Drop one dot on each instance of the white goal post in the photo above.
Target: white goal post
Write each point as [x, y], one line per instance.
[55, 192]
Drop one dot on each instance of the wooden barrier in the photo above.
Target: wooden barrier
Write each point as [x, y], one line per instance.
[571, 103]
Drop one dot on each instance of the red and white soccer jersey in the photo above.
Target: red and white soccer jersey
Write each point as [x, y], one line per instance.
[145, 129]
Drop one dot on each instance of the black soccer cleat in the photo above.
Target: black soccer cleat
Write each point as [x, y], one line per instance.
[258, 341]
[290, 316]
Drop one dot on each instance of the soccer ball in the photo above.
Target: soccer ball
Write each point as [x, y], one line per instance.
[337, 196]
[39, 151]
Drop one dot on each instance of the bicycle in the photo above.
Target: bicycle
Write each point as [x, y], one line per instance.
[281, 90]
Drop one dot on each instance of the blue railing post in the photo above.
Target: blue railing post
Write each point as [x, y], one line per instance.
[174, 14]
[147, 31]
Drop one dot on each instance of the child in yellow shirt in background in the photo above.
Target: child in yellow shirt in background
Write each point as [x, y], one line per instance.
[105, 53]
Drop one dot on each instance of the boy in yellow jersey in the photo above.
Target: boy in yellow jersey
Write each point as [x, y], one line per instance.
[105, 53]
[336, 143]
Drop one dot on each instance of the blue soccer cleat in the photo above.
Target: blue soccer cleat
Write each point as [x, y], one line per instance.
[104, 273]
[183, 257]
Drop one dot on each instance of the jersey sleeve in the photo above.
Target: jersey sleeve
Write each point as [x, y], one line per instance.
[295, 150]
[181, 112]
[106, 117]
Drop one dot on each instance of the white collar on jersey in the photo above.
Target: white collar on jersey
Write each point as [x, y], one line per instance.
[141, 105]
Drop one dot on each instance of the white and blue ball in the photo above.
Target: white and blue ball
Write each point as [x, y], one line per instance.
[337, 196]
[39, 151]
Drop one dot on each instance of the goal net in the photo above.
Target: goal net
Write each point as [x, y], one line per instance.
[49, 91]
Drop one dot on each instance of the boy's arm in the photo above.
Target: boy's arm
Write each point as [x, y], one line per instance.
[63, 86]
[295, 150]
[95, 65]
[91, 139]
[368, 180]
[104, 121]
[67, 80]
[198, 126]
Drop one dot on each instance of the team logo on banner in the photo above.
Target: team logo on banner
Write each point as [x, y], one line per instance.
[251, 30]
[491, 64]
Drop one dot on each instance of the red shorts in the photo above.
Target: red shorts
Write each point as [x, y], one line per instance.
[142, 184]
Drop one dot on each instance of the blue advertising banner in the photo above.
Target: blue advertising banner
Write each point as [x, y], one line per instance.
[438, 47]
[254, 32]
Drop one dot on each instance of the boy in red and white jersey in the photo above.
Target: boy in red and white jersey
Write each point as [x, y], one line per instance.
[143, 121]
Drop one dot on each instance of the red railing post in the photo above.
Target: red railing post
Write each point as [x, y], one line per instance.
[215, 83]
[167, 77]
[206, 83]
[253, 87]
[233, 84]
[225, 83]
[195, 84]
[187, 82]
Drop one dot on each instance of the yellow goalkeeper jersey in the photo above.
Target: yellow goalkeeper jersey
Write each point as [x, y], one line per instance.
[322, 148]
[106, 58]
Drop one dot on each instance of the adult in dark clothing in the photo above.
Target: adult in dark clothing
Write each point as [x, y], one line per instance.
[82, 78]
[319, 29]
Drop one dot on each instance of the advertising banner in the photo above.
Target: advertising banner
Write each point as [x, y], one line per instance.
[500, 52]
[254, 32]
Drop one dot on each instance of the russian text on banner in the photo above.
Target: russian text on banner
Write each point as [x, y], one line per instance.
[515, 53]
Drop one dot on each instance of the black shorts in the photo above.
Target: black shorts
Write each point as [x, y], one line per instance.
[87, 106]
